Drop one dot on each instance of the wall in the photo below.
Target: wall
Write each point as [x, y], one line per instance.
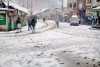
[3, 27]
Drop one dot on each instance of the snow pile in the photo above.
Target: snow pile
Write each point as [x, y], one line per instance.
[67, 46]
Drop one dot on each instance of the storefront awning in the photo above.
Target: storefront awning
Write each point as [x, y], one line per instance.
[17, 7]
[97, 8]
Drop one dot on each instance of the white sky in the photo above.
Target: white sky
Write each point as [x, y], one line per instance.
[44, 4]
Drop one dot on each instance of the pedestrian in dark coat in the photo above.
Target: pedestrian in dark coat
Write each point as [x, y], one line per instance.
[29, 23]
[34, 21]
[44, 19]
[18, 23]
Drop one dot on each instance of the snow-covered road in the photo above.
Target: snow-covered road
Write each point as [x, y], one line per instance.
[67, 46]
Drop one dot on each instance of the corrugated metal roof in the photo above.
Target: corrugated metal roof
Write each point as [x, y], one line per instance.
[17, 7]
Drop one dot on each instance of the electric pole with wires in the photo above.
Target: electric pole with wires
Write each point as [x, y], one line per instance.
[62, 1]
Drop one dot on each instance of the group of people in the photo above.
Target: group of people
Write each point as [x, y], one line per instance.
[32, 20]
[31, 24]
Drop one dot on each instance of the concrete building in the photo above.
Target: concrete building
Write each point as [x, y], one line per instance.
[90, 5]
[81, 8]
[72, 7]
[9, 14]
[96, 14]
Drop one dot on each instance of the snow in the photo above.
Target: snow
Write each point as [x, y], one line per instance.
[40, 11]
[6, 9]
[97, 8]
[17, 7]
[67, 46]
[74, 16]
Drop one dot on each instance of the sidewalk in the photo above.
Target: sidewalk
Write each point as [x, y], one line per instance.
[40, 27]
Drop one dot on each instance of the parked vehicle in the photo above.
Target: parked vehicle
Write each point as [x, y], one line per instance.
[74, 21]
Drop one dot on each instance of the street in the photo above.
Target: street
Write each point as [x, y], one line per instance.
[66, 46]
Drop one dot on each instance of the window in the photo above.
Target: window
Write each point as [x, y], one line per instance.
[98, 0]
[70, 5]
[74, 5]
[2, 19]
[88, 1]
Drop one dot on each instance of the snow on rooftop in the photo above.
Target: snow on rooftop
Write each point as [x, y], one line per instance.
[17, 7]
[6, 9]
[40, 11]
[97, 7]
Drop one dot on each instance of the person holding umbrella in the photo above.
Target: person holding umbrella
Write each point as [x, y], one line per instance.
[34, 21]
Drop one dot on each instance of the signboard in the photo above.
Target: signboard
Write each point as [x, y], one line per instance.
[75, 12]
[31, 5]
[54, 10]
[2, 19]
[92, 11]
[80, 5]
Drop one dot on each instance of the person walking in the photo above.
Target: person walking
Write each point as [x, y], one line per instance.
[29, 23]
[34, 21]
[18, 23]
[44, 19]
[57, 21]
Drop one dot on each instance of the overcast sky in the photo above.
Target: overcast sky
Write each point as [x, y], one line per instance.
[41, 4]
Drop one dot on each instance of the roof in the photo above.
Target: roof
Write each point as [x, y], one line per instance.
[17, 7]
[40, 11]
[97, 8]
[3, 9]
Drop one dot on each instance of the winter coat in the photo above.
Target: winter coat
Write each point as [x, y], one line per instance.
[17, 22]
[57, 20]
[34, 21]
[29, 20]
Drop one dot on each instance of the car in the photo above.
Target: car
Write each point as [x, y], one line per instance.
[74, 21]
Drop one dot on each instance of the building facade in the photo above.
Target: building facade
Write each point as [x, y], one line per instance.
[72, 7]
[81, 8]
[9, 16]
[90, 5]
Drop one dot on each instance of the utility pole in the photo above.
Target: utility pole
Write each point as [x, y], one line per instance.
[31, 5]
[23, 3]
[91, 12]
[8, 4]
[62, 12]
[62, 8]
[27, 4]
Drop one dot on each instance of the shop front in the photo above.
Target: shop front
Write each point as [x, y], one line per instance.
[2, 20]
[5, 19]
[96, 17]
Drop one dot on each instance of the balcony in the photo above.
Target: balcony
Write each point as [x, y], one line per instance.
[89, 4]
